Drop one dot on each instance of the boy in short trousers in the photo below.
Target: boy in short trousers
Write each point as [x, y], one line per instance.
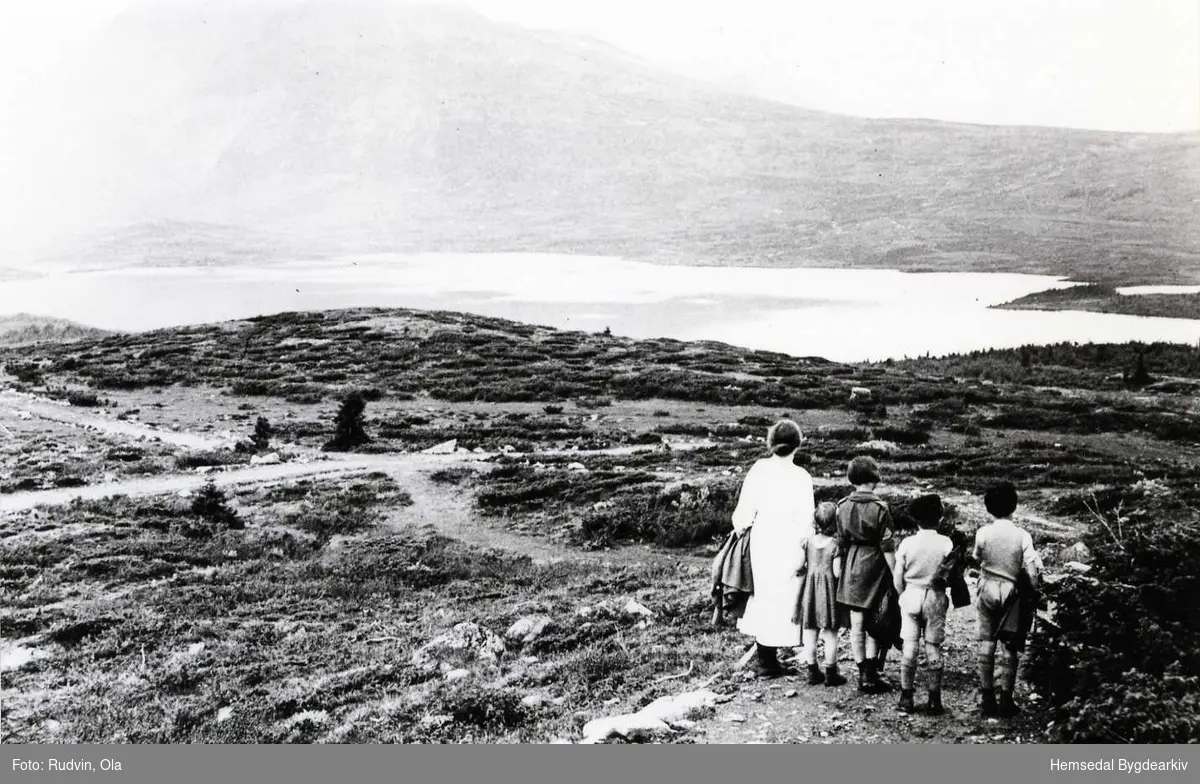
[923, 602]
[1003, 551]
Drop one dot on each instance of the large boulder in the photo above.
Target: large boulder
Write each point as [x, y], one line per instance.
[528, 628]
[444, 448]
[860, 395]
[462, 646]
[681, 706]
[661, 717]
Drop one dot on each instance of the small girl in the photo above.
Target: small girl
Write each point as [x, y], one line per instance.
[820, 568]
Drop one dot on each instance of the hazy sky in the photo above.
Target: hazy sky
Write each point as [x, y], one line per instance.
[1106, 64]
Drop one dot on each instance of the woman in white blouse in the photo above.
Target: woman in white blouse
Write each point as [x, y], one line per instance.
[777, 501]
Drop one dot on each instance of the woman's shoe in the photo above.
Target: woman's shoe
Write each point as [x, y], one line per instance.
[1007, 707]
[815, 676]
[934, 706]
[767, 665]
[906, 702]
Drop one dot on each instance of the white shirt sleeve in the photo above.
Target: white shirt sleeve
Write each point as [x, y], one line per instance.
[747, 505]
[805, 507]
[1030, 558]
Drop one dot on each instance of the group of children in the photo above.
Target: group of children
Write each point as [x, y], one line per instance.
[852, 560]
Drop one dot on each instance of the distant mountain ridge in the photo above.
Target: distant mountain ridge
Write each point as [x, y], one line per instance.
[260, 132]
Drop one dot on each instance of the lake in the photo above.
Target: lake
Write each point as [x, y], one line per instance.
[845, 315]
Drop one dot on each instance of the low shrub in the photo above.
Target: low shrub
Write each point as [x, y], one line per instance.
[83, 399]
[674, 517]
[209, 458]
[908, 436]
[211, 506]
[1121, 661]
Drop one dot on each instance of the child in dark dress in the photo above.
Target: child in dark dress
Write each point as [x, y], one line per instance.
[820, 566]
[868, 544]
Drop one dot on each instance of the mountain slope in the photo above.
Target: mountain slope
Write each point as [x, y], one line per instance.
[373, 126]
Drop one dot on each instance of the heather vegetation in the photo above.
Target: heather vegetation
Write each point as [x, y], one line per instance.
[292, 610]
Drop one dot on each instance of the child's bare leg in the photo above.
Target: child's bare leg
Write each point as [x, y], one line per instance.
[830, 639]
[872, 648]
[857, 636]
[809, 653]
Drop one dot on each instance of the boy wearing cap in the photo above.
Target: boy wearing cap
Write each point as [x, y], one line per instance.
[1006, 558]
[923, 601]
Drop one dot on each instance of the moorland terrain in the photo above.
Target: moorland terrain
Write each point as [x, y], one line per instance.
[264, 530]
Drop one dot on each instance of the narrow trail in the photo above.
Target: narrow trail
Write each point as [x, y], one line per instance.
[444, 509]
[173, 483]
[20, 405]
[448, 510]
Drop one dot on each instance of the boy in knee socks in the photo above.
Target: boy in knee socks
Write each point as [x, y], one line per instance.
[923, 602]
[1002, 551]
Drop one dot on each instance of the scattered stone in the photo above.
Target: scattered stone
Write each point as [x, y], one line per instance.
[859, 393]
[270, 459]
[1077, 552]
[195, 648]
[457, 674]
[1076, 566]
[17, 656]
[527, 629]
[634, 607]
[630, 726]
[444, 448]
[879, 446]
[307, 717]
[466, 643]
[736, 718]
[224, 714]
[535, 700]
[791, 693]
[656, 719]
[576, 467]
[680, 706]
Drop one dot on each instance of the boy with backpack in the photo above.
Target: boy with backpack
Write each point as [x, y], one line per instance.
[1009, 568]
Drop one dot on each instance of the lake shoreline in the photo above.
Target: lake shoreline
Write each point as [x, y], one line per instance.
[1101, 298]
[845, 315]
